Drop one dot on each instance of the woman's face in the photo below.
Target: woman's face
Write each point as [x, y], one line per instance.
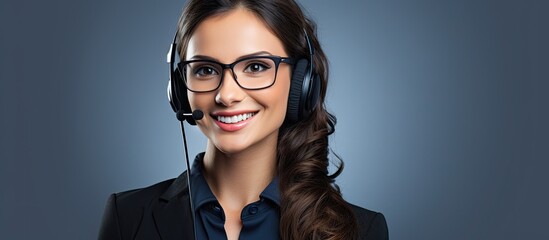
[226, 38]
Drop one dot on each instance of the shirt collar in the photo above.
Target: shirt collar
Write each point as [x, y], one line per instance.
[202, 194]
[272, 192]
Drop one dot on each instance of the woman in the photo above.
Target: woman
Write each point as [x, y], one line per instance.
[264, 173]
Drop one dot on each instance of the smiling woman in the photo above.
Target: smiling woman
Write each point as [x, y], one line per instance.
[257, 72]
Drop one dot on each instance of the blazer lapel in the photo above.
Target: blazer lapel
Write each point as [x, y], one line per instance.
[172, 214]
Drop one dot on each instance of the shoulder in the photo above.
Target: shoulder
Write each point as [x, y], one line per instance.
[141, 197]
[372, 225]
[124, 212]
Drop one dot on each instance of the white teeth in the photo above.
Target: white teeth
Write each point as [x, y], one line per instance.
[234, 119]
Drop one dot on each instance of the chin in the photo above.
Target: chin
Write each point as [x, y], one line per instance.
[230, 148]
[238, 142]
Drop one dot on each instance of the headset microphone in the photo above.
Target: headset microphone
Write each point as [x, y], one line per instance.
[196, 115]
[182, 116]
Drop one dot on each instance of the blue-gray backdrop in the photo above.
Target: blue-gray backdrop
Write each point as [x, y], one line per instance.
[442, 109]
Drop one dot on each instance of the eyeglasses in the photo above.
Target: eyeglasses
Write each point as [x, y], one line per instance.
[252, 73]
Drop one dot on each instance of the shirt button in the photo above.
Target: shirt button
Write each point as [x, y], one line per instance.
[253, 210]
[216, 208]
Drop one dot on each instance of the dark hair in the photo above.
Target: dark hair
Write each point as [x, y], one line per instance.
[311, 204]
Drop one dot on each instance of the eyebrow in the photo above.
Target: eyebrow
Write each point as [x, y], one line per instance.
[204, 57]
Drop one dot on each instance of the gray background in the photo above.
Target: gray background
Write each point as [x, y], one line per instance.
[442, 109]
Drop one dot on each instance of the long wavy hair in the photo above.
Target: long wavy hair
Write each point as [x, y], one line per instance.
[311, 204]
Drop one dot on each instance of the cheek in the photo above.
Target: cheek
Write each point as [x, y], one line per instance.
[197, 100]
[277, 97]
[192, 99]
[203, 102]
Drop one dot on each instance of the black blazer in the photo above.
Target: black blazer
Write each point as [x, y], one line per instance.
[161, 211]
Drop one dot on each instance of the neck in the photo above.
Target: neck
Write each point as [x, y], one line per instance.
[237, 179]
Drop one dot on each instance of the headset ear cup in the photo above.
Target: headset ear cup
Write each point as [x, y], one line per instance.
[171, 95]
[313, 94]
[177, 94]
[294, 108]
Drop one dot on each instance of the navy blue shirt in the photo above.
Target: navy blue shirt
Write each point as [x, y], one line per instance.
[260, 220]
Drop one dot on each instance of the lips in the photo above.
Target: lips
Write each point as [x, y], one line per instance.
[233, 121]
[235, 118]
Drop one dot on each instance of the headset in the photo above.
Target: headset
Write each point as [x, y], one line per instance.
[302, 100]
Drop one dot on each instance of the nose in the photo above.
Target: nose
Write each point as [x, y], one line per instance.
[229, 93]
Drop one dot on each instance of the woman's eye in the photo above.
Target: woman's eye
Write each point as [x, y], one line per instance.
[205, 71]
[256, 67]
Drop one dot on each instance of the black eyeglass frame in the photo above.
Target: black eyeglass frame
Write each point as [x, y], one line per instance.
[276, 59]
